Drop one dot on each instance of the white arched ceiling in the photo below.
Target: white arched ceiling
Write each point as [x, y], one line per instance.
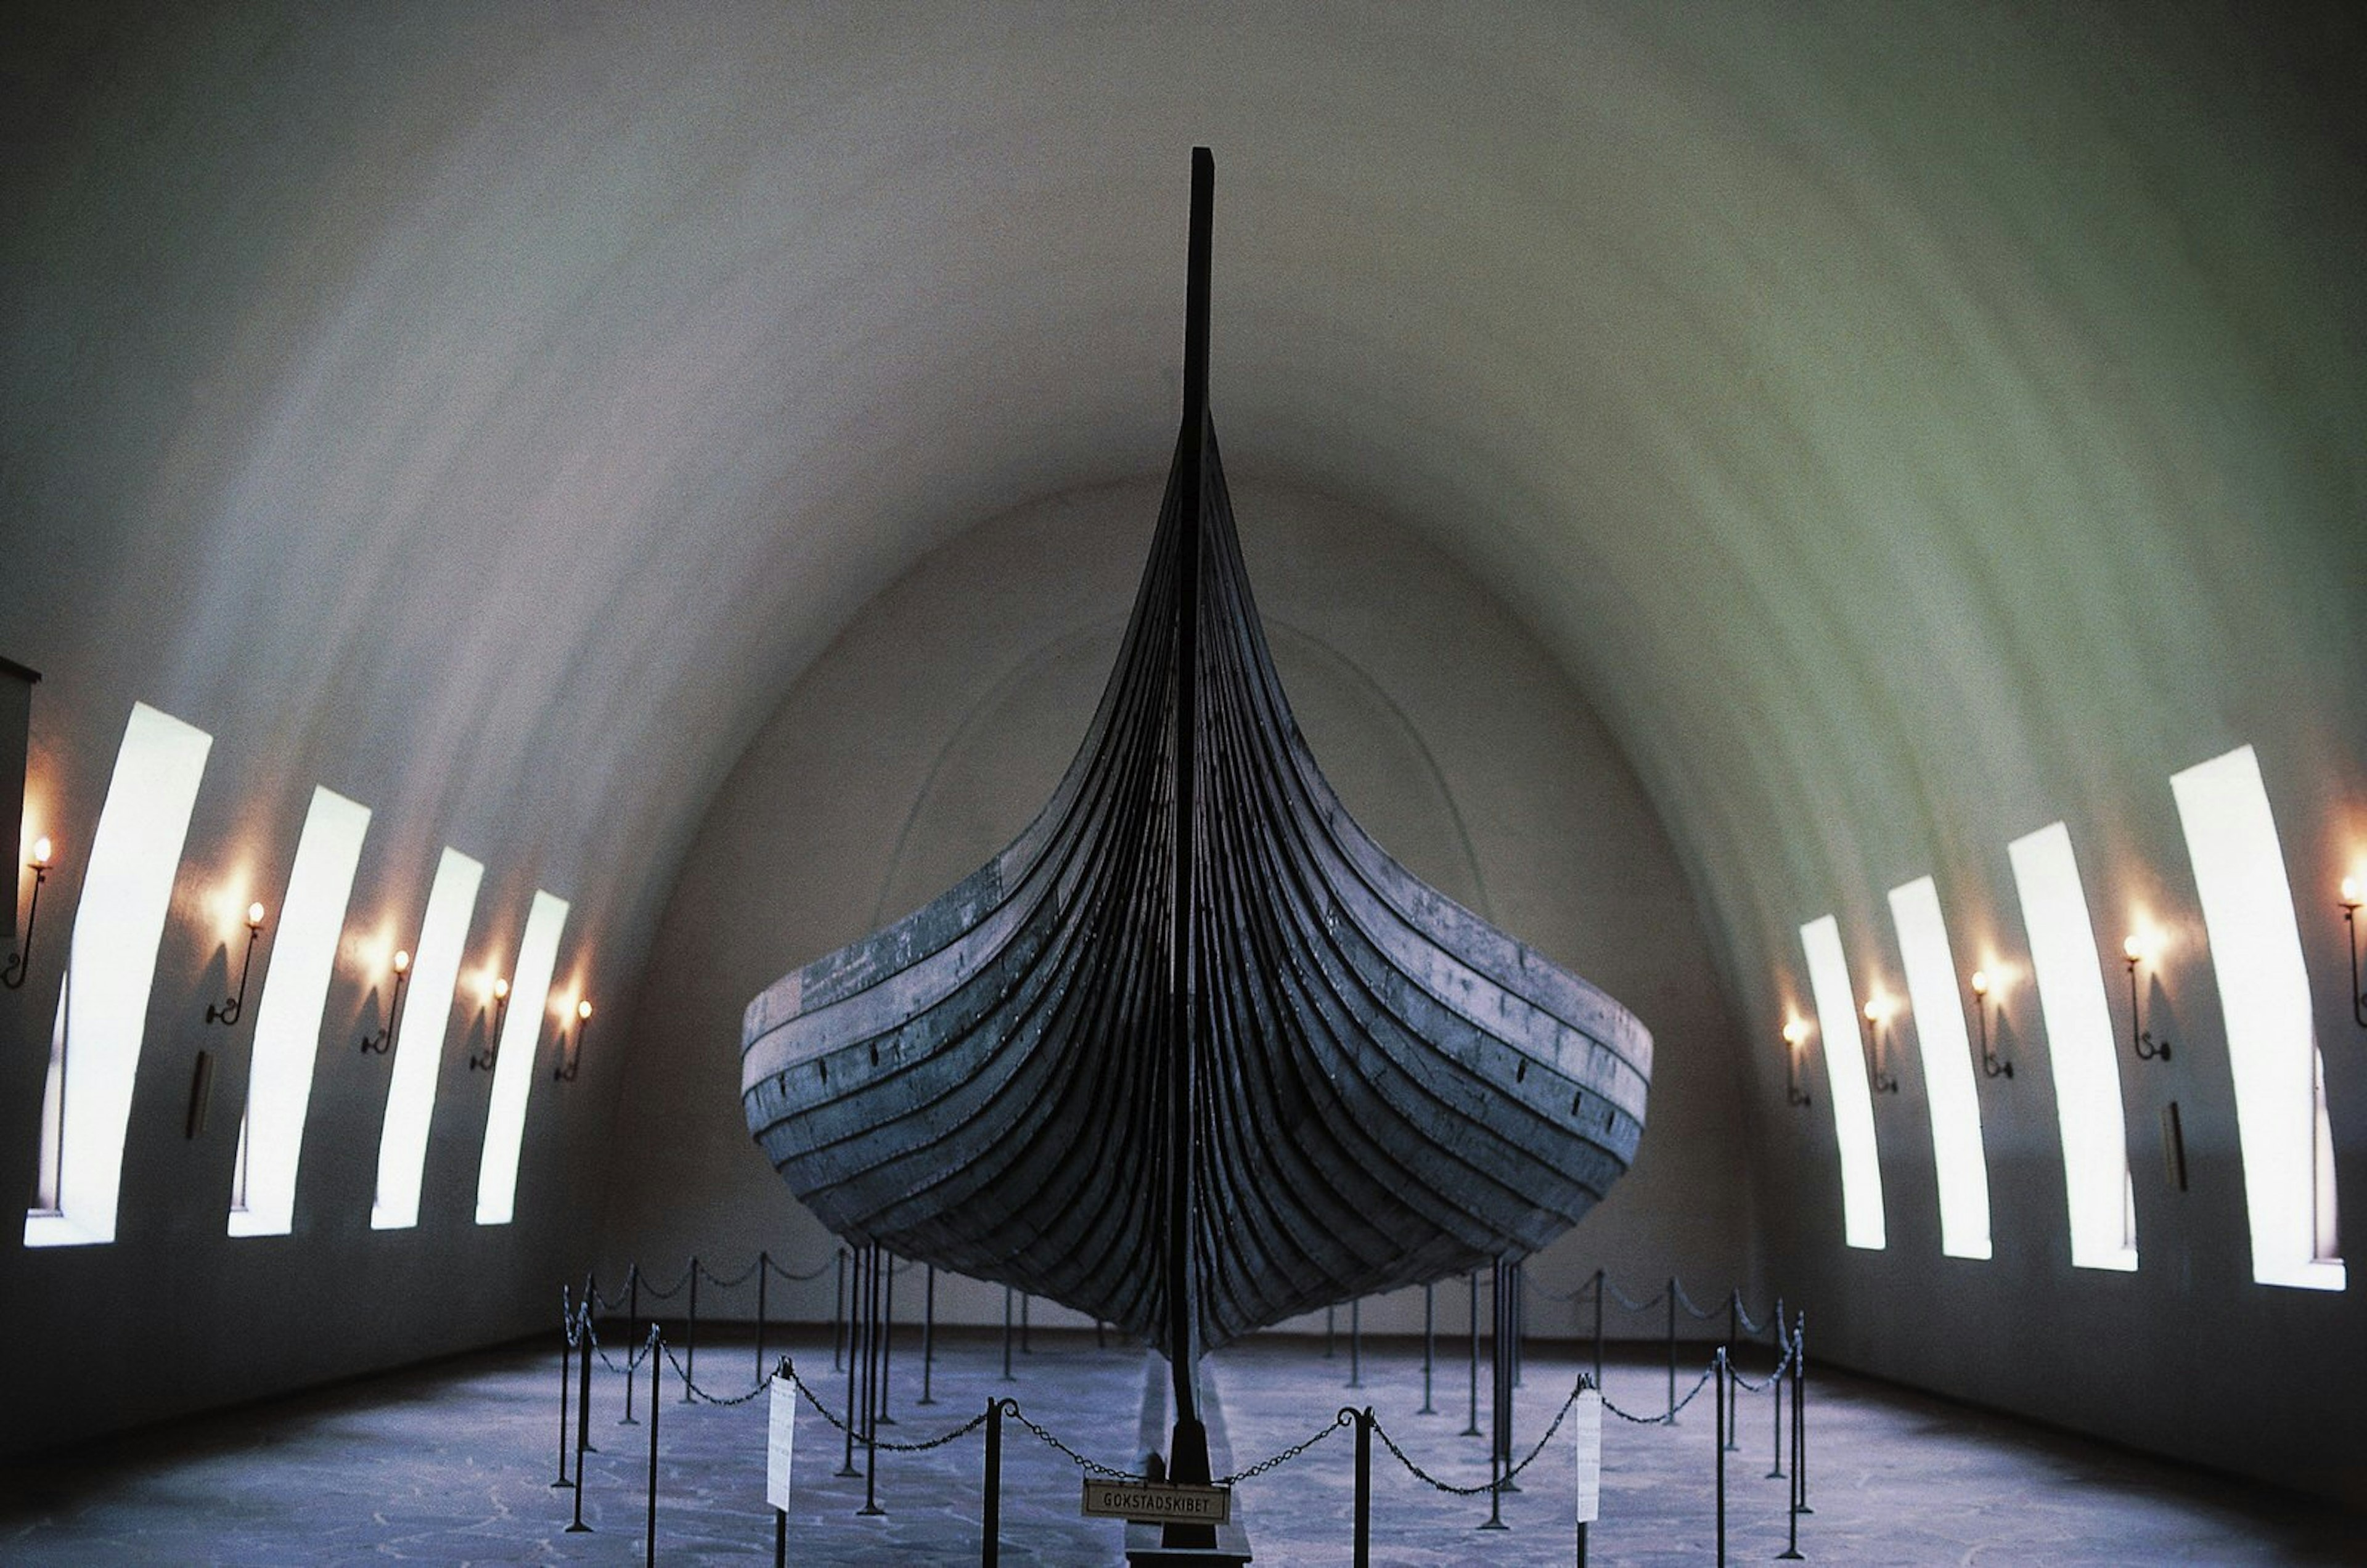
[1909, 424]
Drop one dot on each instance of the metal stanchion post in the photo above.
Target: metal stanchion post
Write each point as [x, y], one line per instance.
[1800, 1413]
[1734, 1390]
[1330, 1331]
[1672, 1351]
[1503, 1341]
[780, 1537]
[1473, 1430]
[578, 1526]
[1600, 1280]
[871, 1336]
[1719, 1361]
[1365, 1487]
[632, 1337]
[1520, 1317]
[887, 1339]
[763, 1271]
[1006, 1334]
[657, 1347]
[1356, 1344]
[854, 1369]
[990, 1551]
[584, 1397]
[1790, 1552]
[839, 1309]
[928, 1330]
[690, 1333]
[566, 1376]
[1026, 1303]
[1429, 1346]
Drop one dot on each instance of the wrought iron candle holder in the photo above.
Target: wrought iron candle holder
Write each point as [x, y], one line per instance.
[1795, 1033]
[1882, 1082]
[1992, 1065]
[382, 1042]
[2350, 920]
[572, 1059]
[20, 962]
[482, 1060]
[229, 1011]
[2141, 1039]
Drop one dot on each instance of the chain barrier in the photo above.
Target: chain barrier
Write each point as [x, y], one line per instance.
[671, 1291]
[1347, 1418]
[1630, 1304]
[1670, 1414]
[1699, 1314]
[1011, 1408]
[1500, 1483]
[719, 1282]
[699, 1393]
[839, 1424]
[816, 1273]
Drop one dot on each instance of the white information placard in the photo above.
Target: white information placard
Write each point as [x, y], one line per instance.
[1586, 1422]
[780, 1442]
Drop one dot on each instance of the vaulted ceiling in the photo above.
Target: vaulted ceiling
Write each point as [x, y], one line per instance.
[1909, 424]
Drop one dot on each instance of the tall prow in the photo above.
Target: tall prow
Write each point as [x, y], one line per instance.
[1193, 1055]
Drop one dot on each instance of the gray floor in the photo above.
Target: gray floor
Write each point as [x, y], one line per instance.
[453, 1464]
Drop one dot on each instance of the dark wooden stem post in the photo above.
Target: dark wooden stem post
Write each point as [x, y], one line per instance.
[1187, 1454]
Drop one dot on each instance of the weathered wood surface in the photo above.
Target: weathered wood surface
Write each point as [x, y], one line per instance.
[1383, 1088]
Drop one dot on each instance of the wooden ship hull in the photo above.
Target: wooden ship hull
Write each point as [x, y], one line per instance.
[1194, 1055]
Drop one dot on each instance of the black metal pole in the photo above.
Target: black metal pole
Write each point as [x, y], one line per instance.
[1520, 1278]
[1719, 1361]
[1792, 1514]
[1429, 1346]
[690, 1333]
[887, 1339]
[871, 1336]
[928, 1330]
[763, 1273]
[1330, 1331]
[989, 1550]
[632, 1337]
[780, 1537]
[1356, 1344]
[566, 1376]
[1672, 1351]
[1775, 1443]
[838, 1311]
[1365, 1487]
[657, 1344]
[1599, 1279]
[1006, 1335]
[1472, 1430]
[1026, 1302]
[578, 1526]
[1800, 1413]
[1502, 1343]
[854, 1366]
[583, 1396]
[1733, 1390]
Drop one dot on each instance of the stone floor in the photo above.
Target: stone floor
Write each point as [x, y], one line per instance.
[452, 1463]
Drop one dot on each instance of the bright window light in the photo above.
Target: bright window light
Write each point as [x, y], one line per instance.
[419, 1043]
[127, 890]
[2239, 871]
[1852, 1101]
[2080, 1044]
[287, 1022]
[1947, 1069]
[514, 1063]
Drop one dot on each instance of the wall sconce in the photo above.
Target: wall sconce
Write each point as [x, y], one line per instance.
[21, 964]
[383, 1041]
[1991, 1067]
[228, 1012]
[2349, 919]
[2141, 1039]
[1794, 1034]
[570, 1060]
[1883, 1083]
[482, 1060]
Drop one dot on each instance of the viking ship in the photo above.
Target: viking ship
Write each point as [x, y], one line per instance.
[1193, 1055]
